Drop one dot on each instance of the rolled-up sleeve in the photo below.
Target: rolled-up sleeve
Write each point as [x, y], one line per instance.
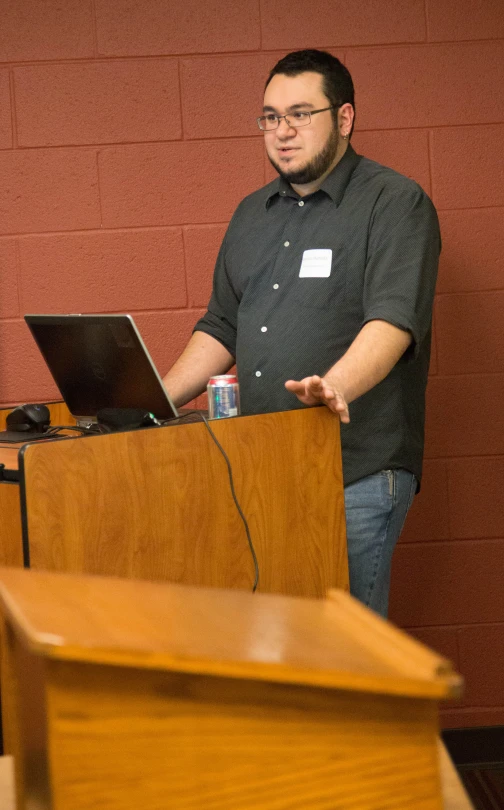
[403, 257]
[220, 319]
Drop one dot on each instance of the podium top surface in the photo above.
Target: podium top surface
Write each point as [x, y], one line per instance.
[331, 643]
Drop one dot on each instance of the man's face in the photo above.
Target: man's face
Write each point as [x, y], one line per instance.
[300, 155]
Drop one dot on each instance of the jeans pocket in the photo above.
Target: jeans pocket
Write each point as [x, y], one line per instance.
[391, 482]
[413, 490]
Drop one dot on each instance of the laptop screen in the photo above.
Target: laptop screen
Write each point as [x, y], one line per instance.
[100, 361]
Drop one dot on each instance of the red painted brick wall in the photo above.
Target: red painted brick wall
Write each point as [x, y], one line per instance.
[127, 137]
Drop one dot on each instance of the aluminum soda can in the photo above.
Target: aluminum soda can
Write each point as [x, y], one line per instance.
[223, 396]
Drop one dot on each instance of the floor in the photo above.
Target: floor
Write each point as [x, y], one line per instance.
[6, 784]
[478, 754]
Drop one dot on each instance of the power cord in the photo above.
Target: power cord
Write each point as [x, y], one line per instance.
[91, 430]
[231, 484]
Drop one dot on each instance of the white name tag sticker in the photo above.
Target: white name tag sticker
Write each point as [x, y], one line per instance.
[316, 263]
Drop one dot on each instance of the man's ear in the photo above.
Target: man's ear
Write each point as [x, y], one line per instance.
[346, 116]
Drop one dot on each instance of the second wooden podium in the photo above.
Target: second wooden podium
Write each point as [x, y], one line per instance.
[128, 695]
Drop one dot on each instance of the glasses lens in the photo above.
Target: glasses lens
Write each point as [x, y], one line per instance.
[298, 119]
[268, 122]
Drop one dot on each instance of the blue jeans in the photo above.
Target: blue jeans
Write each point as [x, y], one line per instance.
[375, 508]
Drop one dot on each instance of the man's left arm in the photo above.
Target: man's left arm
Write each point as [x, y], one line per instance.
[372, 355]
[399, 287]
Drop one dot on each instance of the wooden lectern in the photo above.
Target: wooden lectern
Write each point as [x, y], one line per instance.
[132, 695]
[156, 503]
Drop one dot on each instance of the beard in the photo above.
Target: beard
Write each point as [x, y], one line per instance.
[315, 168]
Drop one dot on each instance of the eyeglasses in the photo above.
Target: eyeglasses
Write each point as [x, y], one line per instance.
[295, 119]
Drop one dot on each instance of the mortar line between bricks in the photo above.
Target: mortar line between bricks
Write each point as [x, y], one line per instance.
[469, 709]
[115, 229]
[430, 160]
[18, 275]
[458, 646]
[485, 290]
[385, 45]
[454, 626]
[97, 159]
[241, 52]
[95, 27]
[259, 9]
[452, 541]
[427, 25]
[389, 46]
[191, 310]
[469, 374]
[186, 274]
[179, 79]
[429, 127]
[114, 144]
[480, 456]
[472, 207]
[448, 503]
[434, 342]
[12, 94]
[148, 57]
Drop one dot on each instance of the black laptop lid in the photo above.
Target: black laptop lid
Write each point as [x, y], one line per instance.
[100, 361]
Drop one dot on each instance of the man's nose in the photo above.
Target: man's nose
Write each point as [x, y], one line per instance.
[285, 129]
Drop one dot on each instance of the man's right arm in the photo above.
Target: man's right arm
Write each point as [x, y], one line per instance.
[202, 358]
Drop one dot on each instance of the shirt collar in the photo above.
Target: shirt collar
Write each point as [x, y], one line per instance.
[334, 185]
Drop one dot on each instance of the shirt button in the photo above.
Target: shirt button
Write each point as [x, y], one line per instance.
[258, 373]
[300, 203]
[286, 244]
[264, 328]
[275, 286]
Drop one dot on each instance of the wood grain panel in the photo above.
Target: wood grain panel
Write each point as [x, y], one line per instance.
[9, 455]
[156, 504]
[147, 739]
[454, 794]
[11, 727]
[11, 540]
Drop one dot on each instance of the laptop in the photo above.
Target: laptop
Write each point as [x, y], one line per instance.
[100, 361]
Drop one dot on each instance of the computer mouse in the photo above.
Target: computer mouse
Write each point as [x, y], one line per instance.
[29, 418]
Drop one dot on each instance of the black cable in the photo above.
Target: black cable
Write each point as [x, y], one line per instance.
[93, 430]
[231, 484]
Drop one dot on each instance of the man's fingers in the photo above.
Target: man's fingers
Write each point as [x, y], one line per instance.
[314, 389]
[295, 386]
[310, 385]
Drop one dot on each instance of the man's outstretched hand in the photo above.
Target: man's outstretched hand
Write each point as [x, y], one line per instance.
[317, 390]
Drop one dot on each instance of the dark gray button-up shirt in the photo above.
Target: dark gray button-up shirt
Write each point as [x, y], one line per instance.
[382, 233]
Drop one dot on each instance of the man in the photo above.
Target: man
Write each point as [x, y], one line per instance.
[323, 291]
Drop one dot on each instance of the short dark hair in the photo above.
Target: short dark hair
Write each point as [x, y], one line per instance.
[337, 83]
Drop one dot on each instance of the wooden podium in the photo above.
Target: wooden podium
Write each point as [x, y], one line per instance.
[134, 694]
[156, 503]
